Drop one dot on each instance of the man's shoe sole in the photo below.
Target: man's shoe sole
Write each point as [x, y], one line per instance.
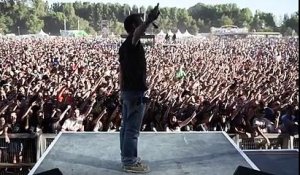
[138, 172]
[133, 171]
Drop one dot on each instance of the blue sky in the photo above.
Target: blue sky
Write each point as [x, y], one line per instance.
[277, 7]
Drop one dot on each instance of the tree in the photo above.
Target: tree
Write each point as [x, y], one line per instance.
[118, 11]
[117, 28]
[192, 28]
[288, 31]
[256, 23]
[111, 12]
[126, 11]
[96, 17]
[30, 17]
[245, 18]
[17, 13]
[278, 21]
[39, 8]
[293, 22]
[184, 19]
[173, 14]
[225, 20]
[142, 9]
[201, 26]
[83, 10]
[268, 19]
[3, 26]
[54, 22]
[134, 9]
[57, 7]
[34, 24]
[68, 10]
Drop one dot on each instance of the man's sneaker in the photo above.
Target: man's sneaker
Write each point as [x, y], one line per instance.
[136, 168]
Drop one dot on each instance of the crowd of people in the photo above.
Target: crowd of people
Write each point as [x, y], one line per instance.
[237, 85]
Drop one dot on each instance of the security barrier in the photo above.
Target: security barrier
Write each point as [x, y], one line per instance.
[18, 156]
[277, 141]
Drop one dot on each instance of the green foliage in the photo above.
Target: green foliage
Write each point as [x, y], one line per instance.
[288, 31]
[39, 8]
[198, 18]
[33, 23]
[245, 18]
[117, 28]
[257, 23]
[3, 24]
[268, 19]
[225, 20]
[290, 25]
[54, 21]
[292, 22]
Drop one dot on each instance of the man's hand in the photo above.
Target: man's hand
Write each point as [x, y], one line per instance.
[268, 143]
[153, 15]
[140, 30]
[34, 103]
[7, 140]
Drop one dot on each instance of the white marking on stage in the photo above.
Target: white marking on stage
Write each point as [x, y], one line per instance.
[186, 142]
[32, 171]
[241, 152]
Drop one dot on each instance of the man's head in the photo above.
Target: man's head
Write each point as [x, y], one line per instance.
[173, 118]
[41, 114]
[132, 22]
[77, 113]
[13, 117]
[90, 117]
[289, 110]
[2, 121]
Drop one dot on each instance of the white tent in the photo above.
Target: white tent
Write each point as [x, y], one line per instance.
[186, 34]
[170, 33]
[112, 35]
[10, 35]
[161, 33]
[178, 34]
[42, 34]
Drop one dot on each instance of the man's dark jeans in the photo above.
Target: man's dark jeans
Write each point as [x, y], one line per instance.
[132, 116]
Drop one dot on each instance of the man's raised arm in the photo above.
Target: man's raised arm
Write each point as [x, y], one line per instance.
[140, 30]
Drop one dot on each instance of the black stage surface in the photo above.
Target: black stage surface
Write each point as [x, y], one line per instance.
[182, 153]
[277, 162]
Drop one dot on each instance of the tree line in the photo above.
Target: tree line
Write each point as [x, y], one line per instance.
[30, 16]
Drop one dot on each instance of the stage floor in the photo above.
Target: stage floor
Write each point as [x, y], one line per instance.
[185, 153]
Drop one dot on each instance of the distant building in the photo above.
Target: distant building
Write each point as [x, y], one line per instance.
[73, 33]
[229, 30]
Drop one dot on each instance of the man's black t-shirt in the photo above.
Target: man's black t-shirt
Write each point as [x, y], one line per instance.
[133, 66]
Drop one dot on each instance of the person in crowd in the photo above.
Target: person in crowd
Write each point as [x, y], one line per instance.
[74, 123]
[15, 147]
[290, 120]
[229, 82]
[3, 146]
[175, 125]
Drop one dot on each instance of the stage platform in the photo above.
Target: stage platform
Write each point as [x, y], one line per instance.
[184, 153]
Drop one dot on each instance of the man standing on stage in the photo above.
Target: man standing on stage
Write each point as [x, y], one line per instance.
[132, 79]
